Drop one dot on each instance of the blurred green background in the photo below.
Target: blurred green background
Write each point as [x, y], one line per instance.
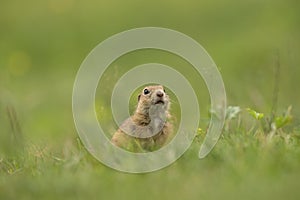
[42, 44]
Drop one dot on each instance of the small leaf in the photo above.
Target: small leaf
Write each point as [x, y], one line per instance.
[232, 112]
[255, 114]
[282, 121]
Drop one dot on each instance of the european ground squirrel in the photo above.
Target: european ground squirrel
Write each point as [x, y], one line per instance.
[148, 128]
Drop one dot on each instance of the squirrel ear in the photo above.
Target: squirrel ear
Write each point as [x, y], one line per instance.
[139, 97]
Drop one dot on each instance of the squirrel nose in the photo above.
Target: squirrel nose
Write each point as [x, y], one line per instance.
[159, 94]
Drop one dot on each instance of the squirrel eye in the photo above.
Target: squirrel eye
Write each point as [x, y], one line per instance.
[146, 91]
[164, 91]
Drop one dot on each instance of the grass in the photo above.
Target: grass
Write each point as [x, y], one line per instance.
[245, 164]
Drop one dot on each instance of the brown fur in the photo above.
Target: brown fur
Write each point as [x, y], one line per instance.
[142, 119]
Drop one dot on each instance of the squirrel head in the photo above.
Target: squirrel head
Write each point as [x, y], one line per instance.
[152, 96]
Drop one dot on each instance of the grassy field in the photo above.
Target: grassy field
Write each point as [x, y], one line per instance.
[244, 165]
[255, 44]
